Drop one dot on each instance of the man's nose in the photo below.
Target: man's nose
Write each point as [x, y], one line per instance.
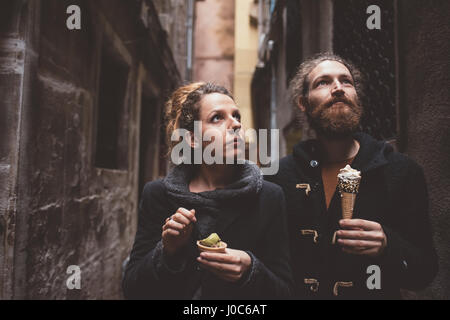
[337, 88]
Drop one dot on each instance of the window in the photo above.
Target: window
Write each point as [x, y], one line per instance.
[148, 155]
[112, 118]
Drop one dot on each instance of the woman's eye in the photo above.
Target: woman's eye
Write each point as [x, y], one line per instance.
[215, 118]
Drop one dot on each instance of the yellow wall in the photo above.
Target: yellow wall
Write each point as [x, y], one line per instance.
[245, 59]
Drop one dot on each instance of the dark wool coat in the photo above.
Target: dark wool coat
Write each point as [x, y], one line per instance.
[392, 192]
[254, 224]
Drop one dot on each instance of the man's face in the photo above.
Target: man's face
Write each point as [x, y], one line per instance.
[332, 104]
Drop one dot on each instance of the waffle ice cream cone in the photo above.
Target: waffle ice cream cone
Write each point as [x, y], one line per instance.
[348, 186]
[348, 202]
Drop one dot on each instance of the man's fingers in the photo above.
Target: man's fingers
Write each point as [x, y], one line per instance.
[359, 223]
[360, 235]
[359, 244]
[367, 252]
[188, 214]
[354, 249]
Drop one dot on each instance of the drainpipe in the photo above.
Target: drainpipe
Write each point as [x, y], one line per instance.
[273, 93]
[190, 38]
[261, 34]
[260, 20]
[272, 6]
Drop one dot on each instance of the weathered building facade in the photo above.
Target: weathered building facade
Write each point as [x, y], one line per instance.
[405, 64]
[80, 133]
[214, 44]
[245, 57]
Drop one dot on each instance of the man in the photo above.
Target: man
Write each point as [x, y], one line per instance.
[388, 243]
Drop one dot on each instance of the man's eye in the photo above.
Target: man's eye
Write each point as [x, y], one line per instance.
[321, 83]
[215, 118]
[238, 117]
[347, 81]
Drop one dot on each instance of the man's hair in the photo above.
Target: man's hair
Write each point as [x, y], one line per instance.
[299, 86]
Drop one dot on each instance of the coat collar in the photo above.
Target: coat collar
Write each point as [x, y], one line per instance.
[371, 155]
[211, 204]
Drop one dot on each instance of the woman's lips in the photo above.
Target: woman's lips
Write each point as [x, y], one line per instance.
[235, 141]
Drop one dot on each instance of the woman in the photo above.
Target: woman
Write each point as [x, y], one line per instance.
[194, 201]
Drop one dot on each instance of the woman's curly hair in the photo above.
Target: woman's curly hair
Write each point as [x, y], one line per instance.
[183, 107]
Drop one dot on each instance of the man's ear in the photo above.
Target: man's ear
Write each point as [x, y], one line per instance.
[301, 103]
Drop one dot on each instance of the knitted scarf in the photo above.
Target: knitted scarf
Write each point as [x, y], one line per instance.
[209, 204]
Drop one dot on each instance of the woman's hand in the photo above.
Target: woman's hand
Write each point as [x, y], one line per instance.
[177, 230]
[229, 266]
[362, 237]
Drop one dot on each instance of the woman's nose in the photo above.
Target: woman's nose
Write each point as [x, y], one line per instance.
[235, 124]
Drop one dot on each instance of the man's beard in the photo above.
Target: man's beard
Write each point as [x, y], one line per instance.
[335, 124]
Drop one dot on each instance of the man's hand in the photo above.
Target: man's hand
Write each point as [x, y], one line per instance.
[361, 237]
[229, 266]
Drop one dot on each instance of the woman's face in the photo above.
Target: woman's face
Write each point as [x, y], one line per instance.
[220, 117]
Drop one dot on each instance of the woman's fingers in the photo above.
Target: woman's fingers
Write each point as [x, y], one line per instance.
[214, 266]
[182, 216]
[170, 232]
[172, 224]
[229, 266]
[177, 229]
[178, 217]
[180, 220]
[220, 274]
[190, 215]
[220, 257]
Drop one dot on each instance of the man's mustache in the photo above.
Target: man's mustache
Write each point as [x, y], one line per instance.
[332, 101]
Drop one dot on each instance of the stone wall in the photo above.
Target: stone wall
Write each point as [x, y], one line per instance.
[58, 206]
[173, 17]
[424, 51]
